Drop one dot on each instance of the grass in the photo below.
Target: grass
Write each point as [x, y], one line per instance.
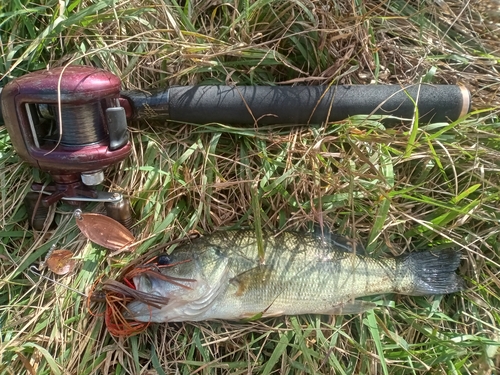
[394, 189]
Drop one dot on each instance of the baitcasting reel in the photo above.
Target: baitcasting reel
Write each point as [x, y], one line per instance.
[71, 125]
[72, 122]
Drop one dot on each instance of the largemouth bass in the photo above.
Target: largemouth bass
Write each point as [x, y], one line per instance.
[221, 276]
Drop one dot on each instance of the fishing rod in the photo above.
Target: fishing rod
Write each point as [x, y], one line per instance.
[72, 122]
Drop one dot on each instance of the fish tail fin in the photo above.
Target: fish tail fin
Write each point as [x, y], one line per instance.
[433, 272]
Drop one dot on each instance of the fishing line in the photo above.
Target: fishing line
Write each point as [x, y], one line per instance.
[34, 269]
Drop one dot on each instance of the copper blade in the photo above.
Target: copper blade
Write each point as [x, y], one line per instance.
[106, 232]
[61, 262]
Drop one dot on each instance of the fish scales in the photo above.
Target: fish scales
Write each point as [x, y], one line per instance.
[301, 273]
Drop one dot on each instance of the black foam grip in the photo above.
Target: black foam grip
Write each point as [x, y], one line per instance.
[313, 104]
[299, 104]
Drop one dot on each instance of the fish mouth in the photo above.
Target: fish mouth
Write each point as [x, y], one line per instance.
[140, 311]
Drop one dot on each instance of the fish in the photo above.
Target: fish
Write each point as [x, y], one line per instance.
[221, 277]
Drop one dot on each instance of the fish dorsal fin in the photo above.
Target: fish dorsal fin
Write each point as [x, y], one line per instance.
[351, 307]
[339, 242]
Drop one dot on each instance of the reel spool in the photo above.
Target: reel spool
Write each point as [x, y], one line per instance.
[69, 123]
[81, 125]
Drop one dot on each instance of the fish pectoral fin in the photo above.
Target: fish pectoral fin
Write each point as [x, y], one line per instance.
[254, 277]
[273, 314]
[351, 307]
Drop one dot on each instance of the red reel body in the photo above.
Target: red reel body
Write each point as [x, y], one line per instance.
[84, 141]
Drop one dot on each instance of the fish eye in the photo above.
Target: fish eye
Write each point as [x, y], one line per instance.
[164, 260]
